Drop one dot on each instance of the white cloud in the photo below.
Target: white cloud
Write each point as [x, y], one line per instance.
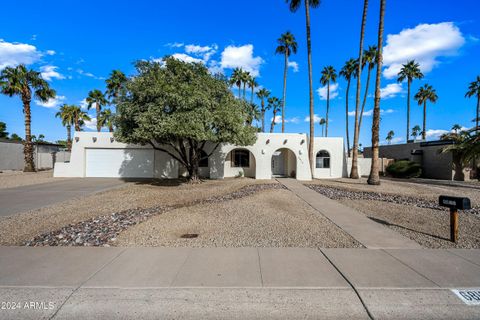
[50, 72]
[425, 44]
[89, 74]
[91, 124]
[316, 118]
[397, 140]
[186, 58]
[369, 113]
[322, 91]
[50, 52]
[278, 119]
[387, 111]
[205, 51]
[435, 133]
[52, 103]
[13, 54]
[84, 104]
[175, 44]
[293, 65]
[391, 90]
[241, 57]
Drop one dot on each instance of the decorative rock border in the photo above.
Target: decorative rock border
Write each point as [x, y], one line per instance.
[101, 231]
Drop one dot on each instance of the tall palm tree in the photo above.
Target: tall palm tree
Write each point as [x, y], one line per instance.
[424, 94]
[348, 72]
[252, 84]
[415, 131]
[236, 79]
[329, 75]
[286, 46]
[370, 58]
[263, 94]
[274, 103]
[246, 77]
[322, 124]
[294, 6]
[390, 135]
[115, 85]
[97, 98]
[22, 82]
[374, 177]
[80, 117]
[253, 113]
[67, 115]
[474, 91]
[410, 71]
[356, 130]
[106, 119]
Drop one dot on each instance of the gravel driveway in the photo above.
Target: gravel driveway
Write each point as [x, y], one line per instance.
[12, 179]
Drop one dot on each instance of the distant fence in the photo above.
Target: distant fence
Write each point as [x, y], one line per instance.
[364, 165]
[44, 155]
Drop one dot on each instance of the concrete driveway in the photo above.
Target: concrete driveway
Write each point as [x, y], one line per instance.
[20, 199]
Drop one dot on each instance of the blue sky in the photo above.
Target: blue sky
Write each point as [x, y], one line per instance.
[77, 44]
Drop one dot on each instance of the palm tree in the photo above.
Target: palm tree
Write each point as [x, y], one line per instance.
[19, 81]
[97, 98]
[424, 94]
[370, 57]
[286, 46]
[348, 72]
[410, 71]
[67, 115]
[253, 113]
[322, 124]
[415, 131]
[474, 91]
[356, 130]
[252, 84]
[374, 177]
[462, 149]
[456, 128]
[390, 135]
[236, 79]
[115, 85]
[294, 6]
[263, 94]
[106, 119]
[80, 117]
[274, 103]
[246, 78]
[328, 75]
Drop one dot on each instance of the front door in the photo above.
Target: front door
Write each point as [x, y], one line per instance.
[278, 165]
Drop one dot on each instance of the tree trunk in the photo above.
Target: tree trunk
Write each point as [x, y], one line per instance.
[273, 121]
[374, 177]
[263, 118]
[346, 118]
[408, 110]
[99, 127]
[310, 86]
[364, 101]
[284, 89]
[27, 144]
[478, 114]
[322, 129]
[251, 96]
[110, 128]
[244, 91]
[354, 171]
[239, 91]
[193, 176]
[424, 133]
[69, 137]
[328, 108]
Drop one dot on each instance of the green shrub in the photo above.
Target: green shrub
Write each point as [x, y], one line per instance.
[404, 169]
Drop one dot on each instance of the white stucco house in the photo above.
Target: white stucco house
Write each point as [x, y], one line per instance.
[98, 154]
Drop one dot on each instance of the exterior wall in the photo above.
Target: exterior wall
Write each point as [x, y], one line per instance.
[11, 155]
[334, 146]
[364, 166]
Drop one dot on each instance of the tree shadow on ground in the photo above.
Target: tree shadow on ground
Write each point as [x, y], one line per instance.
[386, 223]
[157, 182]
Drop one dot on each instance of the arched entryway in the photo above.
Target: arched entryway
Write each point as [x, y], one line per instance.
[284, 163]
[240, 162]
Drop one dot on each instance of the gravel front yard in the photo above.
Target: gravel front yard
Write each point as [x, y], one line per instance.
[12, 179]
[410, 209]
[271, 218]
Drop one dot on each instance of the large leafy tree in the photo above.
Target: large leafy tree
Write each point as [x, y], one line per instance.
[370, 58]
[329, 75]
[425, 94]
[474, 92]
[374, 177]
[409, 71]
[79, 117]
[294, 6]
[178, 108]
[356, 128]
[275, 104]
[263, 94]
[286, 46]
[67, 115]
[106, 119]
[97, 98]
[348, 71]
[22, 82]
[115, 85]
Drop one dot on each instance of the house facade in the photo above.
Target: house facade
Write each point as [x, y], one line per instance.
[98, 154]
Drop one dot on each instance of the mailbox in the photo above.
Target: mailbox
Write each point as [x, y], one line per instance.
[457, 203]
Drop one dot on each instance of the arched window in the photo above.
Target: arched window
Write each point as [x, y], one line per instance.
[323, 159]
[203, 163]
[240, 158]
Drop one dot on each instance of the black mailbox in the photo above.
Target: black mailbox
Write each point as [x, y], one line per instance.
[458, 203]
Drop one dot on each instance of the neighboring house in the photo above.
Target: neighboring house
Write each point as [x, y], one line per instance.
[45, 155]
[97, 154]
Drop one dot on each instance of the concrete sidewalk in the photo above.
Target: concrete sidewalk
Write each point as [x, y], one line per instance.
[237, 283]
[369, 233]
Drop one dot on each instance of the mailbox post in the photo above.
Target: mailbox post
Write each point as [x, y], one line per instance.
[455, 204]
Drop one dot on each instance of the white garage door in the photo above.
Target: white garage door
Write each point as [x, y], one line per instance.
[115, 163]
